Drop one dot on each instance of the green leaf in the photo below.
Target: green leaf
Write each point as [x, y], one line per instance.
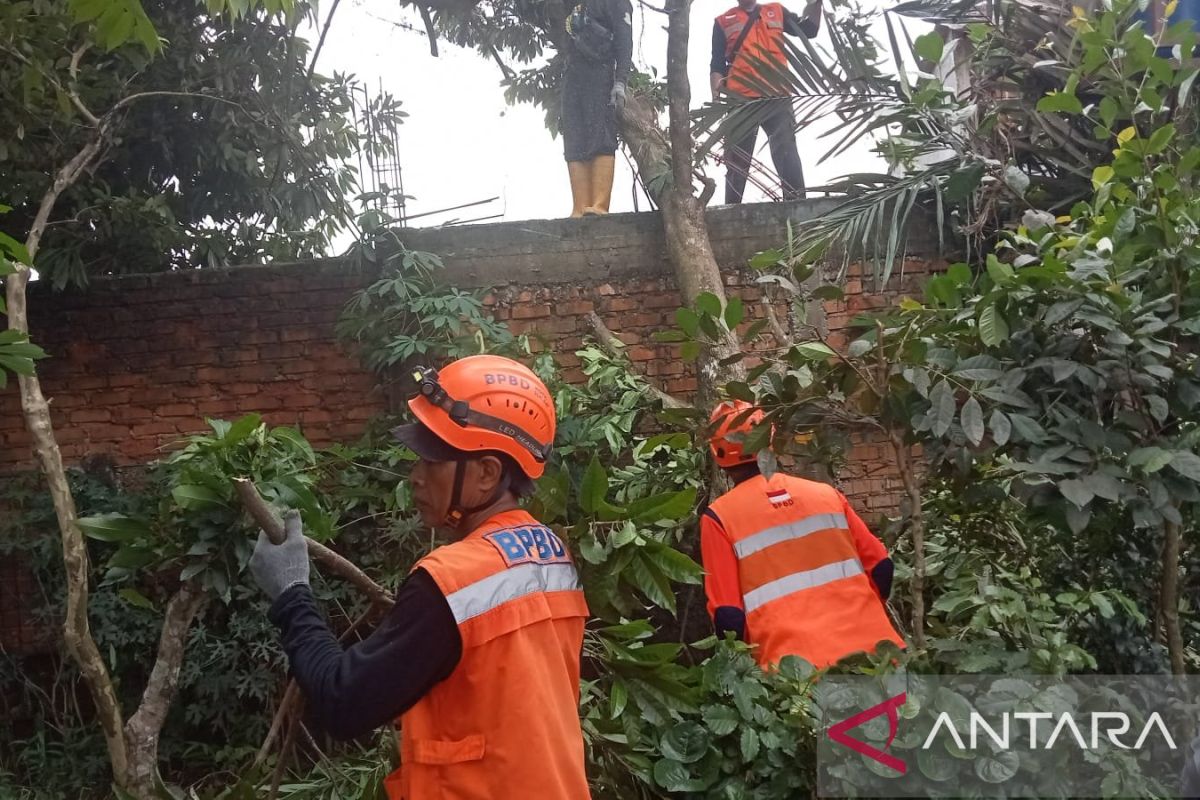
[929, 46]
[1150, 459]
[617, 698]
[193, 497]
[672, 506]
[674, 777]
[1076, 491]
[1060, 102]
[136, 598]
[686, 743]
[992, 328]
[749, 744]
[942, 407]
[296, 441]
[114, 528]
[15, 250]
[1102, 175]
[828, 292]
[594, 488]
[192, 570]
[708, 303]
[242, 428]
[689, 351]
[1187, 464]
[721, 720]
[1028, 429]
[688, 322]
[998, 271]
[979, 368]
[735, 312]
[972, 421]
[131, 557]
[813, 351]
[1161, 138]
[1001, 428]
[960, 273]
[651, 582]
[1124, 225]
[961, 184]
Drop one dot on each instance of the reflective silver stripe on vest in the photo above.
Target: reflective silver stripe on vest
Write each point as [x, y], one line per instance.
[792, 530]
[798, 581]
[496, 590]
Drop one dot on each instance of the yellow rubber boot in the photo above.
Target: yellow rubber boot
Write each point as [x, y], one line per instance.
[580, 173]
[602, 181]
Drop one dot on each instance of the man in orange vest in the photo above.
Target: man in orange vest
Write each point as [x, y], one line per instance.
[790, 567]
[744, 35]
[479, 657]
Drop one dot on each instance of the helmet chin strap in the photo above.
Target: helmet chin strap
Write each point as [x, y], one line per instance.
[457, 511]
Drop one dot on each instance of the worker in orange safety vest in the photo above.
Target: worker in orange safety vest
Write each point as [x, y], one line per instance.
[480, 656]
[790, 568]
[746, 38]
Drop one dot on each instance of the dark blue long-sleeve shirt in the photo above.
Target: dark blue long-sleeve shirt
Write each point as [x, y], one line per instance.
[355, 690]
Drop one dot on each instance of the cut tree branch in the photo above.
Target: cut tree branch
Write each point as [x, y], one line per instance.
[329, 561]
[616, 348]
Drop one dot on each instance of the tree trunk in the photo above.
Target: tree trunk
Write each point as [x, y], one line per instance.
[912, 490]
[688, 244]
[77, 635]
[144, 727]
[1168, 597]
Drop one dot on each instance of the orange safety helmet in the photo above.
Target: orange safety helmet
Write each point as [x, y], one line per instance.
[728, 418]
[488, 403]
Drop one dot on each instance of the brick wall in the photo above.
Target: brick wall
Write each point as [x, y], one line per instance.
[139, 361]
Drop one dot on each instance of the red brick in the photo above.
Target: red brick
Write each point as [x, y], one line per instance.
[531, 311]
[91, 415]
[176, 410]
[622, 304]
[217, 407]
[575, 308]
[153, 429]
[243, 388]
[640, 353]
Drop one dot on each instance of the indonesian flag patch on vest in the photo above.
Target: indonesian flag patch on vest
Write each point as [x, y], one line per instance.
[779, 497]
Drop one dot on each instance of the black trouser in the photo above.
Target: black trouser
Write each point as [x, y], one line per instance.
[780, 124]
[589, 121]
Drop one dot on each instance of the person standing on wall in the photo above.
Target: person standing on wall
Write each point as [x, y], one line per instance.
[599, 59]
[748, 33]
[790, 568]
[479, 658]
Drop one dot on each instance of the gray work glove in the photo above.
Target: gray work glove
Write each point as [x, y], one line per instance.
[279, 567]
[616, 98]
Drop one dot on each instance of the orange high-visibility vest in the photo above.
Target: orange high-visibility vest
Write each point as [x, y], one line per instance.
[764, 43]
[505, 723]
[804, 589]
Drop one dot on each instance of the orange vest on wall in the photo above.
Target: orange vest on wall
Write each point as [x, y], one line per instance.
[505, 724]
[804, 589]
[764, 42]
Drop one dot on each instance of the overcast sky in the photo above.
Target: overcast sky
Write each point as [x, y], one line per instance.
[463, 143]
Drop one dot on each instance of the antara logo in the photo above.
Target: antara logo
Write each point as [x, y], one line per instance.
[890, 707]
[1112, 724]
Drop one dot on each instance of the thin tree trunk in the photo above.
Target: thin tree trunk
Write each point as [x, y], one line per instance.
[1169, 596]
[77, 635]
[912, 490]
[144, 727]
[688, 243]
